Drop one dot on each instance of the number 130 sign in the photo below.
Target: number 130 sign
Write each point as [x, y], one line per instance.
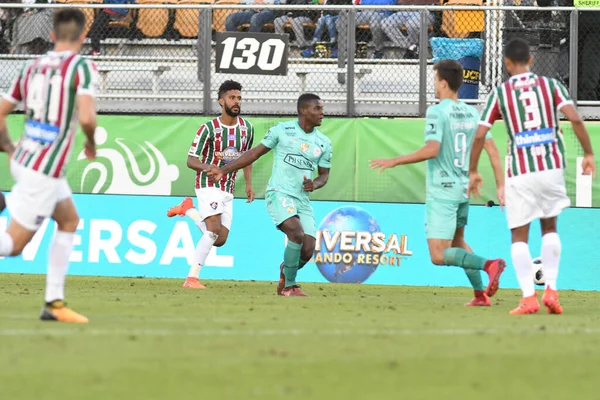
[252, 53]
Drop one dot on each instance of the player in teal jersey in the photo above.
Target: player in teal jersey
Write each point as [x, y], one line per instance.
[300, 149]
[449, 130]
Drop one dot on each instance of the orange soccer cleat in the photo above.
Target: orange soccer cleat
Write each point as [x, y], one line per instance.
[550, 300]
[181, 209]
[480, 300]
[293, 291]
[193, 283]
[57, 311]
[281, 284]
[494, 269]
[527, 305]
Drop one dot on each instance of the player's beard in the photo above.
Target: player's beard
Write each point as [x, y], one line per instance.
[231, 113]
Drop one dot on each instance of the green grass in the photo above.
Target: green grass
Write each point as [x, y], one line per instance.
[151, 339]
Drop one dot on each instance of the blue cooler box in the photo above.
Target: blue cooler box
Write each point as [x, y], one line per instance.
[468, 53]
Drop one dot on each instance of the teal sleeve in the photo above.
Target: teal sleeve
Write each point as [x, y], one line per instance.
[433, 125]
[325, 160]
[272, 137]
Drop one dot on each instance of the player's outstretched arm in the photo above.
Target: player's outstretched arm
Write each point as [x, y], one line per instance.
[245, 159]
[475, 180]
[429, 151]
[193, 162]
[6, 144]
[589, 167]
[248, 179]
[86, 109]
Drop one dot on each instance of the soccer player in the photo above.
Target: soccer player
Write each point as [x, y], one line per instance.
[449, 130]
[300, 149]
[535, 187]
[216, 143]
[57, 90]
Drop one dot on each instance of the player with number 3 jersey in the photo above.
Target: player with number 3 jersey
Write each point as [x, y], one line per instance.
[57, 92]
[535, 184]
[449, 130]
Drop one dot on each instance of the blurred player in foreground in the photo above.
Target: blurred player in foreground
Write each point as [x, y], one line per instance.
[57, 90]
[217, 143]
[449, 130]
[535, 187]
[300, 149]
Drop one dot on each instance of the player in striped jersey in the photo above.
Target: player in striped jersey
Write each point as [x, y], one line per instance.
[57, 92]
[535, 184]
[217, 142]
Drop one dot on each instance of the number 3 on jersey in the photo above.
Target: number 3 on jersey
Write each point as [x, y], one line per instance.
[460, 148]
[533, 119]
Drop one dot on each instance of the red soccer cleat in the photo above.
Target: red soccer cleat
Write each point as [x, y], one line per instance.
[181, 209]
[494, 269]
[293, 291]
[527, 305]
[281, 284]
[550, 300]
[480, 300]
[193, 283]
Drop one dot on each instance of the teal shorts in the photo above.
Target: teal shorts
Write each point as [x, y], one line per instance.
[282, 207]
[443, 218]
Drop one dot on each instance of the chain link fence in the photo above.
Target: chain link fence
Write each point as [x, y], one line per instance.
[159, 56]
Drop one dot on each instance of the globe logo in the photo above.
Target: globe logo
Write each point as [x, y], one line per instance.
[341, 266]
[230, 154]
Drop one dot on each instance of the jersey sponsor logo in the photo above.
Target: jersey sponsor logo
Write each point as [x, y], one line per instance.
[430, 129]
[304, 147]
[534, 138]
[462, 126]
[231, 137]
[299, 161]
[228, 155]
[41, 132]
[117, 170]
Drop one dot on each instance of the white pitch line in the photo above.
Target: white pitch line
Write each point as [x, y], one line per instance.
[291, 332]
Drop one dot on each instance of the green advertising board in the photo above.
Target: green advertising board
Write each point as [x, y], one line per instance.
[147, 155]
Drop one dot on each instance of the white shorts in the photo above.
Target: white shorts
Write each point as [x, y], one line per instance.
[34, 196]
[213, 201]
[535, 195]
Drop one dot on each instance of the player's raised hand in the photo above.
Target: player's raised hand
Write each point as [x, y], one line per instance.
[90, 150]
[250, 194]
[308, 185]
[475, 184]
[383, 163]
[589, 166]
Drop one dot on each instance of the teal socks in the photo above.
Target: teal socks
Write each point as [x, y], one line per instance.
[291, 260]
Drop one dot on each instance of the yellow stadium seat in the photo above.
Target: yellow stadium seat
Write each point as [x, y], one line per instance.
[460, 24]
[152, 22]
[220, 15]
[186, 20]
[88, 12]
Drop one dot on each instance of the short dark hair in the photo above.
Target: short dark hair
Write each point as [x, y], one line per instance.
[304, 99]
[517, 51]
[451, 71]
[227, 86]
[68, 24]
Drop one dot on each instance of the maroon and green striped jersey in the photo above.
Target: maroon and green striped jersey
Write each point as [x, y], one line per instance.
[218, 144]
[529, 105]
[48, 87]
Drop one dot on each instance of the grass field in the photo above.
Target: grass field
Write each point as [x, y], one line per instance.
[150, 339]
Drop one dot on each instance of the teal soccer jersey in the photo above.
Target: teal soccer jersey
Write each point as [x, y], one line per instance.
[453, 124]
[297, 154]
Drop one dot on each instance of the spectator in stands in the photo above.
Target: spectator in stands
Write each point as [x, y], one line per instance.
[411, 21]
[99, 29]
[373, 18]
[31, 30]
[256, 18]
[297, 19]
[326, 21]
[7, 19]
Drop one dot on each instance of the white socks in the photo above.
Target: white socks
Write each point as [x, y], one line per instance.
[551, 249]
[58, 263]
[195, 216]
[202, 249]
[6, 244]
[521, 258]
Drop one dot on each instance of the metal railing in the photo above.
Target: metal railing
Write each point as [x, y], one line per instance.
[160, 58]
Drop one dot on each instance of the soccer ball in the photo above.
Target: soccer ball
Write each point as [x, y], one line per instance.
[538, 271]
